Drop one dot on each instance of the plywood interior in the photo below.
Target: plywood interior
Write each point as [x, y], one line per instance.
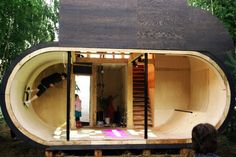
[53, 101]
[191, 85]
[185, 82]
[48, 111]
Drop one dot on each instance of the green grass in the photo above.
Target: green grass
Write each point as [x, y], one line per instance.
[226, 146]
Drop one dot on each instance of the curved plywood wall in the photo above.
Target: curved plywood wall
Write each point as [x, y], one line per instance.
[185, 81]
[189, 90]
[38, 117]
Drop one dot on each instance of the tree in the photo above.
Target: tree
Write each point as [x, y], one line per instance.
[25, 23]
[225, 10]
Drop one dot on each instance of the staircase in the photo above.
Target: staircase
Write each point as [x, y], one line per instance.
[138, 98]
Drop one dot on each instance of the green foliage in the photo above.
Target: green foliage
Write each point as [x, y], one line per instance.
[231, 65]
[225, 10]
[225, 147]
[25, 23]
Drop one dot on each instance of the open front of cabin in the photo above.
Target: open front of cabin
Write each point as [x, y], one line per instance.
[184, 88]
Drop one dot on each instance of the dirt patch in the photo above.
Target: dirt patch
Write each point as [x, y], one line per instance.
[14, 147]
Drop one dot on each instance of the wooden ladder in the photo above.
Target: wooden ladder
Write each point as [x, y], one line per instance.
[138, 98]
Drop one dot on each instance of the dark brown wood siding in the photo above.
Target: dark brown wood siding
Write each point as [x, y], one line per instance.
[141, 24]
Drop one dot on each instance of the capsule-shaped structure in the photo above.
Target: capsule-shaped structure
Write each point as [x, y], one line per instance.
[161, 87]
[185, 88]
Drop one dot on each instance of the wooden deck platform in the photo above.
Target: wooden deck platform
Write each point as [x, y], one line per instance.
[117, 136]
[126, 153]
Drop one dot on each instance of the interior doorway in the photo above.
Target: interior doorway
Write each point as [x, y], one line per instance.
[111, 94]
[83, 90]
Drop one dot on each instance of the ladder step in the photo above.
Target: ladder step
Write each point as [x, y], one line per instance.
[139, 99]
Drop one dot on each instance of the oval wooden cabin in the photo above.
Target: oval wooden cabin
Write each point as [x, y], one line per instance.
[162, 58]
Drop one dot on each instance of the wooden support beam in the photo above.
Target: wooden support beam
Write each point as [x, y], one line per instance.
[93, 108]
[134, 56]
[185, 152]
[146, 153]
[129, 98]
[98, 153]
[48, 153]
[103, 60]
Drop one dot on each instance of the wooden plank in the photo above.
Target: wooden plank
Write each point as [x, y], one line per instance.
[98, 153]
[48, 153]
[185, 152]
[129, 91]
[103, 60]
[93, 116]
[146, 152]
